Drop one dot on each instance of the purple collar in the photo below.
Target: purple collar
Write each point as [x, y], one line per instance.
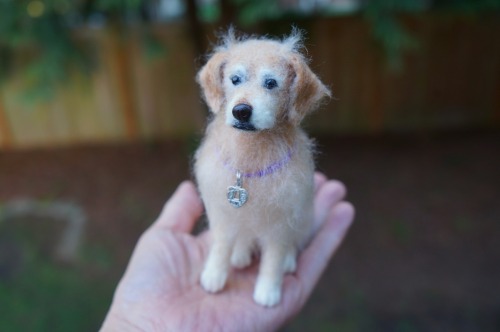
[274, 167]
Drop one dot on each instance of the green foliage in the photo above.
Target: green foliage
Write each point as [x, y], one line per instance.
[44, 297]
[387, 30]
[37, 294]
[394, 38]
[41, 33]
[209, 12]
[251, 11]
[37, 31]
[382, 15]
[248, 12]
[468, 6]
[37, 37]
[401, 231]
[118, 5]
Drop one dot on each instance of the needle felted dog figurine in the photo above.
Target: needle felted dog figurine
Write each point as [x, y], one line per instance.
[255, 167]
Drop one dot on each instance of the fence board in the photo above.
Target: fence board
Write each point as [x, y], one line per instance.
[5, 132]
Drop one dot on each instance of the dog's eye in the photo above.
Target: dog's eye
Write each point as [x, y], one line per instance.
[236, 80]
[270, 83]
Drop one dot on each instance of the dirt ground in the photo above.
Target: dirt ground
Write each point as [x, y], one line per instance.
[423, 254]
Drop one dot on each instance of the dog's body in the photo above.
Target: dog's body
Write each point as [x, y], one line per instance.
[259, 90]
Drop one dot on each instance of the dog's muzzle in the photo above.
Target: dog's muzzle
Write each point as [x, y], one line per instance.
[242, 113]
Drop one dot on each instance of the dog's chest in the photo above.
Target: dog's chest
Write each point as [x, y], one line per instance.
[282, 185]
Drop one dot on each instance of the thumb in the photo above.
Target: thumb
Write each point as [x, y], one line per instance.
[182, 210]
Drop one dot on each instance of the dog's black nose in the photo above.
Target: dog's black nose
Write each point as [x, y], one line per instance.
[242, 112]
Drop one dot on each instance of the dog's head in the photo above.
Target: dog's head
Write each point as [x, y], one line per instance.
[260, 83]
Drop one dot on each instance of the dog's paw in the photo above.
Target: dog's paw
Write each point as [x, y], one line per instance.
[241, 258]
[290, 263]
[212, 280]
[266, 294]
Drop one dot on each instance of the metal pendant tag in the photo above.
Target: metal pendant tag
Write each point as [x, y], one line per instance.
[237, 195]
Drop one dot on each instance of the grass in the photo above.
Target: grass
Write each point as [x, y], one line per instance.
[41, 295]
[45, 297]
[401, 231]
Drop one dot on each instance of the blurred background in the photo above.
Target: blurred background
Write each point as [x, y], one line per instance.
[100, 116]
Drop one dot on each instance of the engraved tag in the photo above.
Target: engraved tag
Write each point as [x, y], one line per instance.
[237, 195]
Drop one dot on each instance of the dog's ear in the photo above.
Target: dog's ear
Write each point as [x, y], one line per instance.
[306, 90]
[210, 78]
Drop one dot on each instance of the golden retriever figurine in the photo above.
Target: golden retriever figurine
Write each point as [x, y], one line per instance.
[255, 168]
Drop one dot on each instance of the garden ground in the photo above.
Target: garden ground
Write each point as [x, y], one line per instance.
[422, 255]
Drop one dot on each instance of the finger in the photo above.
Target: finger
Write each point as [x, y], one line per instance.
[329, 194]
[182, 210]
[316, 256]
[319, 180]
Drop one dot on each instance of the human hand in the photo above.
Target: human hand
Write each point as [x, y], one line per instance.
[160, 290]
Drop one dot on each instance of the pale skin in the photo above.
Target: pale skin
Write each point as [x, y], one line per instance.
[160, 290]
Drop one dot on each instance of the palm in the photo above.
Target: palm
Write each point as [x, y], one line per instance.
[160, 290]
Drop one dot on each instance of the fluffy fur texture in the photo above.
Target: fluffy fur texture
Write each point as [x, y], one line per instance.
[275, 220]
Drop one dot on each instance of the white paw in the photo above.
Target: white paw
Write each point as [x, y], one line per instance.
[240, 259]
[266, 294]
[290, 263]
[213, 280]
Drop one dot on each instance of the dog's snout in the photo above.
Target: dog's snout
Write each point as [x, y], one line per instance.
[242, 112]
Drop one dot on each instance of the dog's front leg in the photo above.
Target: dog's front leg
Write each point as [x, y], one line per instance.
[267, 290]
[214, 275]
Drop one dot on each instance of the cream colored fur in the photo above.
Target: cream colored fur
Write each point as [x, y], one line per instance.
[277, 216]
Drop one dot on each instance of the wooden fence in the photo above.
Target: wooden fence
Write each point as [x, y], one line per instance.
[452, 80]
[127, 97]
